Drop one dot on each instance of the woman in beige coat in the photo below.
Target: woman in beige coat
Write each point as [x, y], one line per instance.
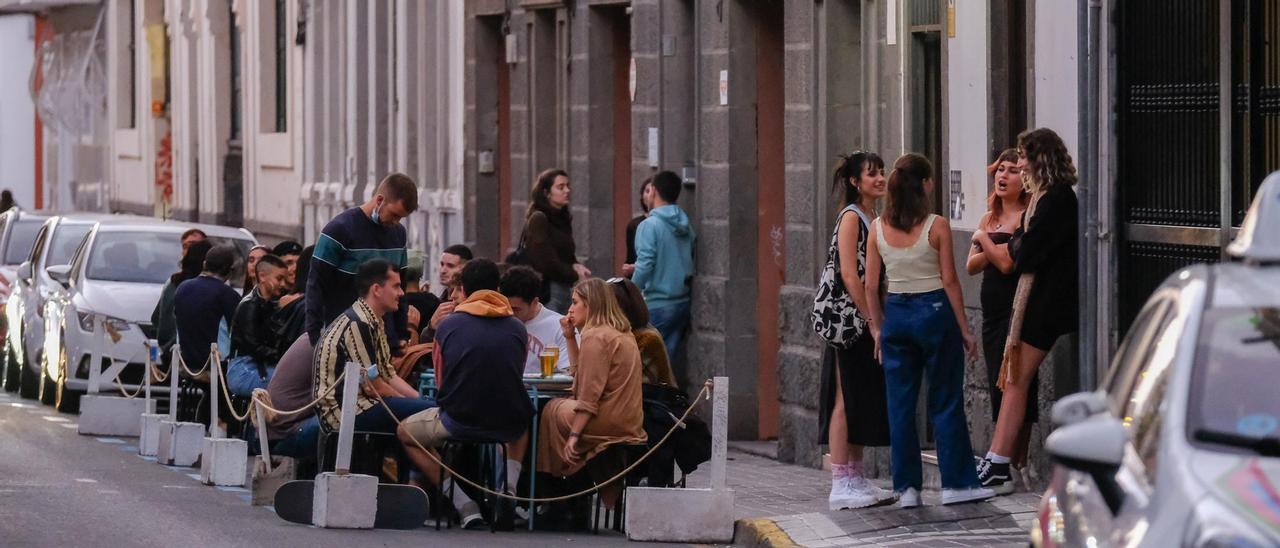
[606, 406]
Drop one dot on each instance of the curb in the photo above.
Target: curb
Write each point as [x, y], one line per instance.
[762, 533]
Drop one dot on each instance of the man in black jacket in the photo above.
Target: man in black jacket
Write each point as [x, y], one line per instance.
[254, 348]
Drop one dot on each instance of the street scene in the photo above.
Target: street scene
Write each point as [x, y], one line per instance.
[762, 273]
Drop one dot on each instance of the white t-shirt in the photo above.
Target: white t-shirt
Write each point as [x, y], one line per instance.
[545, 329]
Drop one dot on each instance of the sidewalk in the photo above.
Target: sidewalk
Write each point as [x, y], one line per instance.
[779, 504]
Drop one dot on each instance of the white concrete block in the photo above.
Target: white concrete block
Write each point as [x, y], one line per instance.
[112, 415]
[265, 484]
[345, 501]
[224, 461]
[149, 436]
[180, 443]
[680, 515]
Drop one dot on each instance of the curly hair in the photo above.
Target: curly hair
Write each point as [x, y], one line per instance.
[1048, 162]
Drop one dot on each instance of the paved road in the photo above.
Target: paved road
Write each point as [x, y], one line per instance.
[58, 488]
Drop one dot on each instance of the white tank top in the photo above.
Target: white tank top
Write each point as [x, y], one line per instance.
[912, 269]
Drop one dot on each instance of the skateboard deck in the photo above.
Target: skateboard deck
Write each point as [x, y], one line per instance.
[399, 506]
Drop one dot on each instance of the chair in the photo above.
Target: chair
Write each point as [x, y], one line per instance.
[625, 454]
[368, 451]
[493, 464]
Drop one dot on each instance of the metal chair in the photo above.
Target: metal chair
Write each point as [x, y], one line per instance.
[493, 464]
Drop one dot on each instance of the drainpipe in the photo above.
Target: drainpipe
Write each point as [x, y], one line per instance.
[1089, 12]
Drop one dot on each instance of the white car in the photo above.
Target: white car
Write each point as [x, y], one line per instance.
[55, 243]
[116, 275]
[1181, 446]
[18, 231]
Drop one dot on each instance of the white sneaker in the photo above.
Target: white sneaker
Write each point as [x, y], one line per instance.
[971, 494]
[842, 495]
[910, 498]
[863, 485]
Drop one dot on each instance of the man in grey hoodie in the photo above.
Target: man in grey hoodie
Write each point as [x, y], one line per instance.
[664, 262]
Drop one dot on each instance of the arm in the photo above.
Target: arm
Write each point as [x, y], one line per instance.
[401, 388]
[977, 260]
[847, 243]
[996, 254]
[542, 255]
[1048, 233]
[876, 319]
[571, 343]
[940, 238]
[328, 253]
[646, 255]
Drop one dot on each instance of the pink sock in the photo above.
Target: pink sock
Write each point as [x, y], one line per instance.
[854, 468]
[839, 470]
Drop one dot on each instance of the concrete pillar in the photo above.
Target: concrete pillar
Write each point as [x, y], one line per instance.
[356, 80]
[376, 54]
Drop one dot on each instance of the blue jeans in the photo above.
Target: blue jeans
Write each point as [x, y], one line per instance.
[920, 335]
[671, 321]
[302, 444]
[242, 376]
[376, 419]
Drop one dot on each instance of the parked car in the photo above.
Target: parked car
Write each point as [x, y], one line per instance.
[117, 275]
[1181, 446]
[55, 243]
[18, 230]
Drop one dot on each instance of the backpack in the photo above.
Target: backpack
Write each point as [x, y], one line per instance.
[688, 447]
[835, 318]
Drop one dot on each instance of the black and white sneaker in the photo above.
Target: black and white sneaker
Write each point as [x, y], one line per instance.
[995, 476]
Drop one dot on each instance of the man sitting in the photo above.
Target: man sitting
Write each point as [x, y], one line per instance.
[254, 348]
[358, 335]
[290, 388]
[522, 285]
[479, 357]
[205, 306]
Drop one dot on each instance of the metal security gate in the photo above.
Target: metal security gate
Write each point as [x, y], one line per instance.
[1174, 168]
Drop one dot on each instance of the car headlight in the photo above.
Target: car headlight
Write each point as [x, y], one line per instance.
[1215, 525]
[86, 322]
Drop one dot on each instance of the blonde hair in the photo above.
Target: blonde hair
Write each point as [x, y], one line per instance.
[602, 306]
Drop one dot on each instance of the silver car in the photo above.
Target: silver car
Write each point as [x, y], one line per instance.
[115, 278]
[1181, 445]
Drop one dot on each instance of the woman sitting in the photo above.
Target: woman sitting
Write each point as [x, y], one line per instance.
[656, 366]
[606, 403]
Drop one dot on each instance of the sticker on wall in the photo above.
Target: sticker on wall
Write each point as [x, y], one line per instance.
[957, 196]
[724, 88]
[951, 18]
[631, 82]
[653, 147]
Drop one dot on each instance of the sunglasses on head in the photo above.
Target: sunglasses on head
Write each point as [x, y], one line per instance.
[614, 280]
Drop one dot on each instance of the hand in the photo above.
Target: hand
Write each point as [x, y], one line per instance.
[287, 299]
[441, 313]
[970, 344]
[570, 453]
[981, 239]
[566, 326]
[875, 335]
[415, 318]
[582, 270]
[628, 270]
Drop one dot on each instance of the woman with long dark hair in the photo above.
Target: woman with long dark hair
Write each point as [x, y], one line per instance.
[548, 238]
[853, 412]
[1045, 303]
[989, 255]
[921, 329]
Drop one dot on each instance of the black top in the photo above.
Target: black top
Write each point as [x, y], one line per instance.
[205, 303]
[482, 394]
[1046, 246]
[631, 237]
[549, 245]
[288, 323]
[350, 239]
[251, 333]
[997, 287]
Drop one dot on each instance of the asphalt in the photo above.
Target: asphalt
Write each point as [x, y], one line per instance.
[58, 488]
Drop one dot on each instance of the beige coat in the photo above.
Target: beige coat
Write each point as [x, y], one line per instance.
[606, 385]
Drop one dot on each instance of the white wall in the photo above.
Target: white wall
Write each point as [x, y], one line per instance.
[967, 69]
[17, 114]
[1056, 92]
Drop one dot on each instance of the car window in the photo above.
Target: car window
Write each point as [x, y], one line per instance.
[38, 247]
[1141, 412]
[66, 238]
[1237, 360]
[137, 257]
[20, 239]
[1133, 351]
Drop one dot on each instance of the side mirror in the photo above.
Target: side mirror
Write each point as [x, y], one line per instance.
[24, 271]
[1078, 407]
[1094, 446]
[60, 273]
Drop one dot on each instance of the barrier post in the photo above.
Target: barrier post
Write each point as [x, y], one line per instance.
[719, 431]
[175, 371]
[214, 369]
[341, 499]
[346, 429]
[223, 461]
[149, 429]
[95, 357]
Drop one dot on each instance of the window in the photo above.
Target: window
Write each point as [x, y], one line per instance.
[1132, 353]
[21, 237]
[274, 33]
[1232, 386]
[38, 248]
[126, 56]
[66, 238]
[281, 55]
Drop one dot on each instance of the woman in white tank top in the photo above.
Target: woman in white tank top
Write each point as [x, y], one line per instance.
[921, 330]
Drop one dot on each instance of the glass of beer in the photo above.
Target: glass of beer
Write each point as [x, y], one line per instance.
[547, 358]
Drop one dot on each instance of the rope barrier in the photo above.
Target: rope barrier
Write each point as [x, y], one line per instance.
[703, 394]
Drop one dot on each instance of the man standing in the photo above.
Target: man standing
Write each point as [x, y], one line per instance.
[521, 286]
[664, 262]
[357, 335]
[254, 345]
[479, 359]
[357, 235]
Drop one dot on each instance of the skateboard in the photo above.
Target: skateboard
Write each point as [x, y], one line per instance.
[399, 506]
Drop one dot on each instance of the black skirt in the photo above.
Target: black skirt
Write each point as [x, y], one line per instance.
[862, 385]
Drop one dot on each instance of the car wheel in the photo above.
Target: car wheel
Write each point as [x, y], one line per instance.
[67, 400]
[11, 369]
[28, 382]
[48, 388]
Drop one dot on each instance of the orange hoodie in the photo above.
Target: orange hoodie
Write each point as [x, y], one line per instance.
[486, 304]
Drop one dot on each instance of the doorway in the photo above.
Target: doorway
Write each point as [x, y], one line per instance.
[770, 198]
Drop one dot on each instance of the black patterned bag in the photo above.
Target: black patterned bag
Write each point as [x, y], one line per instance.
[835, 318]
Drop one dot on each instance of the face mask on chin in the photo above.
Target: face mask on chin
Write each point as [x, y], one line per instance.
[376, 216]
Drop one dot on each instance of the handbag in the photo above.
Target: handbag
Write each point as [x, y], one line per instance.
[835, 318]
[520, 256]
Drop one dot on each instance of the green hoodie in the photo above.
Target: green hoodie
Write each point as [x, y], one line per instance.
[664, 257]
